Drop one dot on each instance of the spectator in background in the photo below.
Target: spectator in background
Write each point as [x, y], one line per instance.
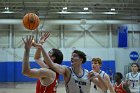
[96, 65]
[120, 86]
[133, 78]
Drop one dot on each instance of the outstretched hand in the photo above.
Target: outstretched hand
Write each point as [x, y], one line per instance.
[28, 41]
[44, 37]
[42, 40]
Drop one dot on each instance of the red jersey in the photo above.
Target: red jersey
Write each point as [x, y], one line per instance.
[119, 88]
[47, 89]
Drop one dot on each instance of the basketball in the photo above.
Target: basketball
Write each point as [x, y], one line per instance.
[31, 21]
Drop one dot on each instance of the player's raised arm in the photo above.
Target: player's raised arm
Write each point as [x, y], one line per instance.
[28, 45]
[26, 70]
[37, 55]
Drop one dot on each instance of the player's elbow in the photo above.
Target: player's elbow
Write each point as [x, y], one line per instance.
[25, 72]
[36, 59]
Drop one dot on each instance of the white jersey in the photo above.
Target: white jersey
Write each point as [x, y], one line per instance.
[134, 80]
[94, 88]
[78, 84]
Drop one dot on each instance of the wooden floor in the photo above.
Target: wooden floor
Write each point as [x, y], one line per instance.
[24, 88]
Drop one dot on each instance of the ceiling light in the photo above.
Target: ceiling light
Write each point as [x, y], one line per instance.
[107, 13]
[63, 11]
[110, 13]
[64, 8]
[112, 9]
[6, 8]
[8, 12]
[85, 8]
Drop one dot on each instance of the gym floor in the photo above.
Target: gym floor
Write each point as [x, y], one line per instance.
[25, 87]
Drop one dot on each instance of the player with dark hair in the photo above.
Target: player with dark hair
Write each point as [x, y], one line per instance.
[48, 79]
[120, 86]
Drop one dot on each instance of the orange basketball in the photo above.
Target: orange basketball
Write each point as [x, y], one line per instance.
[31, 21]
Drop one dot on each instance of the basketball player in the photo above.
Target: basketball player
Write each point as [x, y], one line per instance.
[47, 77]
[38, 59]
[77, 79]
[96, 64]
[133, 78]
[120, 86]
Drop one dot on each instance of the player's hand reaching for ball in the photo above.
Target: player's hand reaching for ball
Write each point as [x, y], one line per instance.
[28, 41]
[44, 37]
[42, 40]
